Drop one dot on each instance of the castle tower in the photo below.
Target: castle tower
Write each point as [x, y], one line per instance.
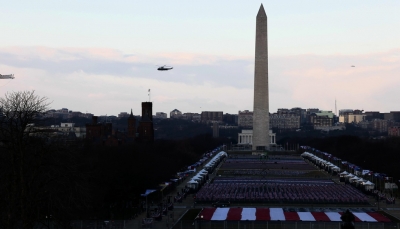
[146, 129]
[132, 126]
[261, 98]
[147, 111]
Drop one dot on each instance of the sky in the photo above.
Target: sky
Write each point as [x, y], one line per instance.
[102, 56]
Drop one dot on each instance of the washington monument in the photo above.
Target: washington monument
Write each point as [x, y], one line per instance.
[261, 100]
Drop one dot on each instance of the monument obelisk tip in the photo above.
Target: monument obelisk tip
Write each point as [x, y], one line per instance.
[261, 12]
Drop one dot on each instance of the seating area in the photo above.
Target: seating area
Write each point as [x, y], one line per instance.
[252, 163]
[263, 172]
[280, 191]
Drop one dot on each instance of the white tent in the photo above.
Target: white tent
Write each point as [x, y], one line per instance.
[337, 169]
[354, 178]
[368, 183]
[344, 173]
[350, 175]
[360, 180]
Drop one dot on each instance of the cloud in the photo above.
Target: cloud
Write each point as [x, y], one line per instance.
[108, 81]
[188, 68]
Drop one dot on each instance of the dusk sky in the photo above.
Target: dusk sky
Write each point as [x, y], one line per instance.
[102, 56]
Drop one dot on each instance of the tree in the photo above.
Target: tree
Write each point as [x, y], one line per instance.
[41, 174]
[19, 111]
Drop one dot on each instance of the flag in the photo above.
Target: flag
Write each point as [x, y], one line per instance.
[149, 90]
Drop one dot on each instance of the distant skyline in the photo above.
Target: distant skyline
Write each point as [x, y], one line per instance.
[102, 57]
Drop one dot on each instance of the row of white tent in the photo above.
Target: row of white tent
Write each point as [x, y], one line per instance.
[215, 161]
[368, 185]
[321, 162]
[200, 177]
[355, 179]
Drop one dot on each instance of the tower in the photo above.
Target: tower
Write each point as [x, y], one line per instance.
[131, 126]
[146, 129]
[261, 98]
[147, 111]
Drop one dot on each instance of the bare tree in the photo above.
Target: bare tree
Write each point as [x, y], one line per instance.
[19, 111]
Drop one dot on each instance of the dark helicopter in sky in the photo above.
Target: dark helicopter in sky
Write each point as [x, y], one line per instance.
[164, 68]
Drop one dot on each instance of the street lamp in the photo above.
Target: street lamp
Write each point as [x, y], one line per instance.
[201, 219]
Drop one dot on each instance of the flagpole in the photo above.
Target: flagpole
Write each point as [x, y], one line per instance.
[149, 95]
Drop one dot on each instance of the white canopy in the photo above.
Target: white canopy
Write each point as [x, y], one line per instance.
[368, 183]
[354, 178]
[336, 168]
[344, 173]
[360, 180]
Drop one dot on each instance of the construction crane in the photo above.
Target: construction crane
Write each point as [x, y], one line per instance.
[11, 76]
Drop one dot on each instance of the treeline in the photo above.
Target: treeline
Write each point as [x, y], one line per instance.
[47, 177]
[378, 155]
[80, 180]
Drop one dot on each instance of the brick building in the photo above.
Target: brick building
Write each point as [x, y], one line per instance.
[394, 131]
[98, 131]
[146, 129]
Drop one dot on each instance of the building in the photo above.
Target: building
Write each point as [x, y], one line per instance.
[370, 115]
[98, 131]
[245, 119]
[64, 129]
[345, 111]
[123, 115]
[175, 114]
[161, 115]
[379, 125]
[261, 139]
[211, 116]
[131, 127]
[322, 119]
[284, 121]
[393, 115]
[310, 111]
[146, 129]
[246, 138]
[191, 116]
[394, 131]
[350, 116]
[302, 113]
[196, 117]
[230, 119]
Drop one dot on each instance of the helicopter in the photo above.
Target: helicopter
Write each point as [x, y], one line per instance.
[11, 76]
[164, 68]
[353, 66]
